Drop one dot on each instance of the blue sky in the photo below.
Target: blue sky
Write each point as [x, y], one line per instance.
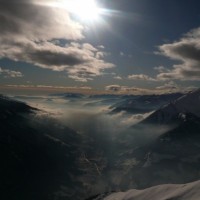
[134, 46]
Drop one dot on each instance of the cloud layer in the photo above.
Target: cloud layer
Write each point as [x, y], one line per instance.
[187, 51]
[141, 77]
[31, 32]
[127, 89]
[169, 87]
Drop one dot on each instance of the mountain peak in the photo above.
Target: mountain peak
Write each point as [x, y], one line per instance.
[188, 103]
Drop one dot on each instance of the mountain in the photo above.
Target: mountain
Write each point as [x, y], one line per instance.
[164, 147]
[177, 109]
[189, 191]
[38, 154]
[43, 159]
[104, 96]
[143, 104]
[68, 95]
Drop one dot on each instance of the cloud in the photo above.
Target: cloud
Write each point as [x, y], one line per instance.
[168, 86]
[141, 77]
[100, 54]
[114, 88]
[10, 73]
[172, 87]
[121, 53]
[118, 78]
[31, 32]
[134, 119]
[161, 69]
[126, 89]
[187, 51]
[101, 47]
[51, 87]
[27, 19]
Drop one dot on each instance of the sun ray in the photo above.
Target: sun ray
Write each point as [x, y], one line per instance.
[86, 10]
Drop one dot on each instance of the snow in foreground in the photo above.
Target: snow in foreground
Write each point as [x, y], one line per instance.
[190, 191]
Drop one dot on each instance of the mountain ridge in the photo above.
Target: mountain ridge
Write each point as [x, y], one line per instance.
[188, 103]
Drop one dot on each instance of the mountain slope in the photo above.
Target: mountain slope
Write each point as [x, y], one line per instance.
[176, 110]
[190, 191]
[165, 146]
[38, 155]
[143, 104]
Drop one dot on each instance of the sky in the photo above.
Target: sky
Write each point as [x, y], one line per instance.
[117, 46]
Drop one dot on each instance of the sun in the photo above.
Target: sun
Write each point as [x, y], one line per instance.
[86, 10]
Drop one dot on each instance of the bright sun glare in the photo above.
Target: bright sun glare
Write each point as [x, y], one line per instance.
[86, 10]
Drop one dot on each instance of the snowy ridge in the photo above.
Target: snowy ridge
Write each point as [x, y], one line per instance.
[190, 191]
[188, 103]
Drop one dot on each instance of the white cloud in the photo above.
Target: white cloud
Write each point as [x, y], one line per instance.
[134, 119]
[121, 53]
[118, 78]
[172, 86]
[10, 73]
[141, 77]
[187, 51]
[161, 69]
[101, 47]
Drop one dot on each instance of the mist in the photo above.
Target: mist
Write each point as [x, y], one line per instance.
[108, 141]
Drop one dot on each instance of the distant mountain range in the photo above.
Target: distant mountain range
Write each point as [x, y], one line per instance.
[133, 104]
[68, 95]
[143, 104]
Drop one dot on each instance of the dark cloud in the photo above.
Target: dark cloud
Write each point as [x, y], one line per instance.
[114, 88]
[186, 50]
[27, 19]
[124, 89]
[48, 57]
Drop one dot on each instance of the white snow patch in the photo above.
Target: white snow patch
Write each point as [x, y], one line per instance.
[190, 191]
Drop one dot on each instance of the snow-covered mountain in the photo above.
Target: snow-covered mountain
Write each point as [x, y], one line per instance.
[190, 191]
[143, 103]
[177, 110]
[165, 146]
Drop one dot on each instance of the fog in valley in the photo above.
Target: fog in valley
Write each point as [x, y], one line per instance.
[78, 146]
[106, 138]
